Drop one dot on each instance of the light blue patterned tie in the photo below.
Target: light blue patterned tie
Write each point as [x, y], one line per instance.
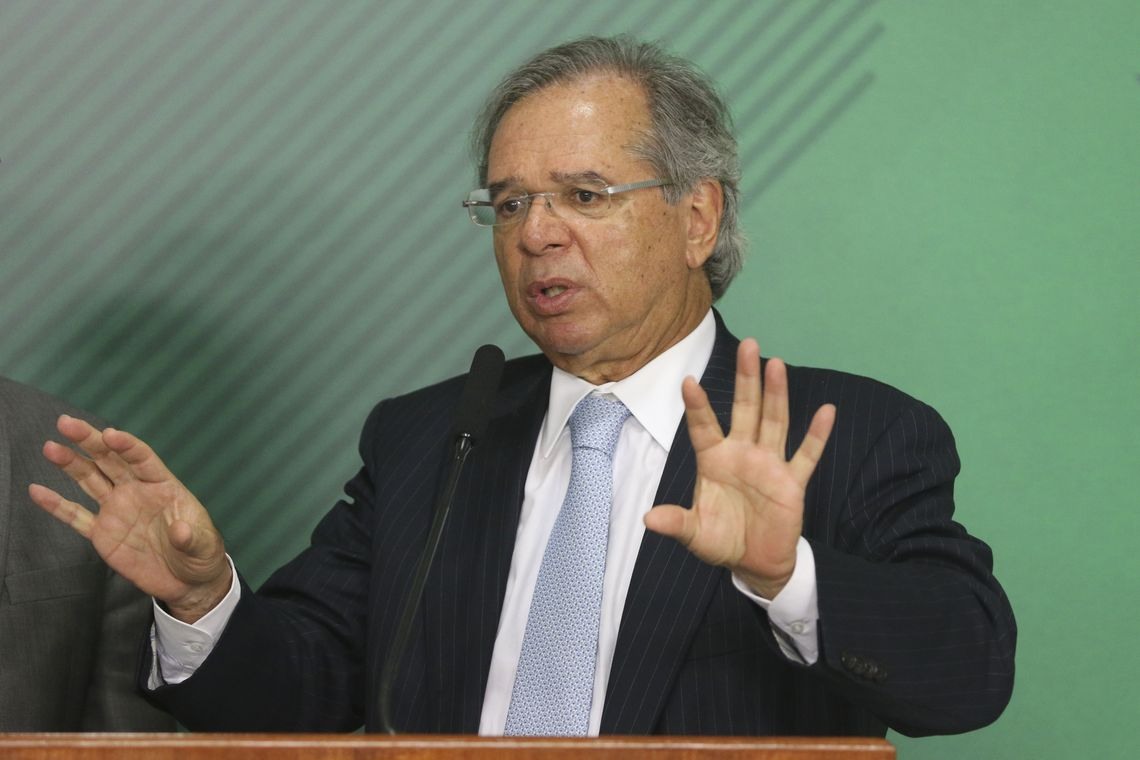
[554, 685]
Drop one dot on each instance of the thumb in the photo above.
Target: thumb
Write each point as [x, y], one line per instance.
[199, 542]
[672, 521]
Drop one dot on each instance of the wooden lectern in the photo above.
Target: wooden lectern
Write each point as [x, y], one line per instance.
[378, 747]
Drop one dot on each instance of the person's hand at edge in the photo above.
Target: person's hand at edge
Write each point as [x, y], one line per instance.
[149, 528]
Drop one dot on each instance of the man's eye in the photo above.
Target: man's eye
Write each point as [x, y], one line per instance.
[582, 197]
[508, 207]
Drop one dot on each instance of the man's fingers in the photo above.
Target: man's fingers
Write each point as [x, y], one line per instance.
[806, 458]
[746, 397]
[672, 521]
[704, 428]
[75, 429]
[68, 512]
[118, 454]
[90, 440]
[144, 464]
[80, 469]
[774, 425]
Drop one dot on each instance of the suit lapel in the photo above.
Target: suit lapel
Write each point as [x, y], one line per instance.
[464, 594]
[670, 588]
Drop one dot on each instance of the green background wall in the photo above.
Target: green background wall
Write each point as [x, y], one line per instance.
[231, 227]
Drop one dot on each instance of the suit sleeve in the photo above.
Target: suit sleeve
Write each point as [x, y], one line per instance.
[291, 656]
[913, 625]
[72, 636]
[113, 703]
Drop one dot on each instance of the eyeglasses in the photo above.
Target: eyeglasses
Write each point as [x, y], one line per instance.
[592, 201]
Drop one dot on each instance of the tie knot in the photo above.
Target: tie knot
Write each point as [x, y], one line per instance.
[596, 424]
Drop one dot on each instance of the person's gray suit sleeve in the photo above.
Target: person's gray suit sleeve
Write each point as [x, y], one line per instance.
[113, 702]
[71, 627]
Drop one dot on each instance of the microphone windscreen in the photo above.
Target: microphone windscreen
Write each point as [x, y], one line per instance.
[482, 381]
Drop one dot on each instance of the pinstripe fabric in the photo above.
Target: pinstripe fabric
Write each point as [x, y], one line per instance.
[914, 628]
[915, 631]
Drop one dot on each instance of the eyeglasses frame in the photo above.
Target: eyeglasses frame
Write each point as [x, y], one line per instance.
[609, 190]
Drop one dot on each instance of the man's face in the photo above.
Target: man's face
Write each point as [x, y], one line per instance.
[601, 297]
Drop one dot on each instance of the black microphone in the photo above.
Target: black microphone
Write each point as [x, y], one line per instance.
[474, 410]
[471, 418]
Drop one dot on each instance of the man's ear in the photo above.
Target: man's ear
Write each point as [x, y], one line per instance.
[705, 209]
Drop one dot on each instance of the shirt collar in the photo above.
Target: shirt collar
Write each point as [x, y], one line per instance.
[652, 394]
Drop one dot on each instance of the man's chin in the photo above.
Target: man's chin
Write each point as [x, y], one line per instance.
[561, 353]
[566, 352]
[562, 338]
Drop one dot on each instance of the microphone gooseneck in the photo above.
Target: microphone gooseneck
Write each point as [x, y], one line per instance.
[471, 418]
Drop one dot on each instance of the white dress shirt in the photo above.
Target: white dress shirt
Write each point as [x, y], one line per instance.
[653, 396]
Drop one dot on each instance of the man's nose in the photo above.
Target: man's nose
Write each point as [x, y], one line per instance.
[542, 229]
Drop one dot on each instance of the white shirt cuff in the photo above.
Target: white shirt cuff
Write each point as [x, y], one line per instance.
[794, 612]
[181, 648]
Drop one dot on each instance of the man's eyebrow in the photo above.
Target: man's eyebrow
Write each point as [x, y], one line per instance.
[562, 178]
[569, 178]
[497, 187]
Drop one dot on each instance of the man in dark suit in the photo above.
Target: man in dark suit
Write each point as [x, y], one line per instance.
[68, 624]
[800, 574]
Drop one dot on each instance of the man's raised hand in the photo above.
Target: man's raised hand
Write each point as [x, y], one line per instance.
[748, 502]
[150, 529]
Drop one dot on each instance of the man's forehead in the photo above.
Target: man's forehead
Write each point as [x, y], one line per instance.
[587, 101]
[586, 130]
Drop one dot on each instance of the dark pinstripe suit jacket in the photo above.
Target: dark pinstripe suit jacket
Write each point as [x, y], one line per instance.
[915, 632]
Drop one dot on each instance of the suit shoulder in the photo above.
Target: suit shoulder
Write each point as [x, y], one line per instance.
[852, 394]
[28, 412]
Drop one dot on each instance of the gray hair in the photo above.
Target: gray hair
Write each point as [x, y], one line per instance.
[691, 135]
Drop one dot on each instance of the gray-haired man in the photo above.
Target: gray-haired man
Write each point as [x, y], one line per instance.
[780, 555]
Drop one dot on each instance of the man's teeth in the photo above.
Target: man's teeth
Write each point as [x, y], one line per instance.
[553, 290]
